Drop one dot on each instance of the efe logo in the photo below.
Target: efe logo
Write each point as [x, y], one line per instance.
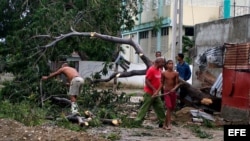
[237, 132]
[241, 132]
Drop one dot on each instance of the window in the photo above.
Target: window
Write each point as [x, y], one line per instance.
[167, 2]
[189, 31]
[154, 33]
[164, 31]
[155, 4]
[146, 5]
[143, 34]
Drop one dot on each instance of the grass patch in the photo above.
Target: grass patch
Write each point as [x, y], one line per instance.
[23, 112]
[114, 136]
[197, 130]
[208, 123]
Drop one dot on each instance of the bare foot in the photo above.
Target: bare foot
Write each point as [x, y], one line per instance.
[166, 128]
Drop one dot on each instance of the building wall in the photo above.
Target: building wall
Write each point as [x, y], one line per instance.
[196, 12]
[129, 52]
[216, 33]
[199, 14]
[88, 68]
[149, 46]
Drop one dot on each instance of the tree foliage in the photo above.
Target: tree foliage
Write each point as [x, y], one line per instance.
[22, 20]
[187, 45]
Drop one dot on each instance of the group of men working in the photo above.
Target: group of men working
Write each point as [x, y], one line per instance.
[160, 76]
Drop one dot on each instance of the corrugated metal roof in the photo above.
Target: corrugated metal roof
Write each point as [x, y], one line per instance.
[216, 89]
[212, 55]
[237, 56]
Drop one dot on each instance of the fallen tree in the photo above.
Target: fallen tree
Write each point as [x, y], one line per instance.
[128, 41]
[195, 94]
[195, 97]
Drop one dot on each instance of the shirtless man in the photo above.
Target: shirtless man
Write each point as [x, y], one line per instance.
[169, 81]
[75, 81]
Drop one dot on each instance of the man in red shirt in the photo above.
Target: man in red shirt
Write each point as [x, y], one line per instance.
[152, 83]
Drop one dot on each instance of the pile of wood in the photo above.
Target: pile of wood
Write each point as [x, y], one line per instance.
[83, 120]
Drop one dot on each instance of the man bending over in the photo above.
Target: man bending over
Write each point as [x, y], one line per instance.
[75, 81]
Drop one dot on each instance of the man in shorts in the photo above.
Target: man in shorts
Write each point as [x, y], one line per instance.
[75, 81]
[169, 81]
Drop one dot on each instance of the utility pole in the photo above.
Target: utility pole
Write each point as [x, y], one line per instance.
[180, 24]
[160, 5]
[174, 30]
[234, 7]
[177, 12]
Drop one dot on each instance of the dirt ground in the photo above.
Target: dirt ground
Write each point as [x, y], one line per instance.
[11, 130]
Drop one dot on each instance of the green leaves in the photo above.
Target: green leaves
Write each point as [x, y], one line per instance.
[187, 43]
[21, 21]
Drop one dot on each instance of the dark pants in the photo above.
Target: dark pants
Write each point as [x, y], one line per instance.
[157, 105]
[182, 95]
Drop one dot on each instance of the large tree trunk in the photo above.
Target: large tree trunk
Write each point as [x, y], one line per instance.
[195, 97]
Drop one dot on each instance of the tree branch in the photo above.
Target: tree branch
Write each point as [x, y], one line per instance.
[121, 75]
[119, 40]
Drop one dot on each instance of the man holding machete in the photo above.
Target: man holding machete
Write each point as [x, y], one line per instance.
[75, 81]
[152, 83]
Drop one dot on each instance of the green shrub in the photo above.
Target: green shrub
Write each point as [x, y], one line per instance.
[24, 112]
[199, 132]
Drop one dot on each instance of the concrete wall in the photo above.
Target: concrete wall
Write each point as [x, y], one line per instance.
[150, 12]
[216, 33]
[129, 51]
[87, 68]
[198, 14]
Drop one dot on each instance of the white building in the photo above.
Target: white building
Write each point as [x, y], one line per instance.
[155, 11]
[194, 12]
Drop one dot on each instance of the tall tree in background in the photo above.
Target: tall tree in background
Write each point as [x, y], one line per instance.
[21, 20]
